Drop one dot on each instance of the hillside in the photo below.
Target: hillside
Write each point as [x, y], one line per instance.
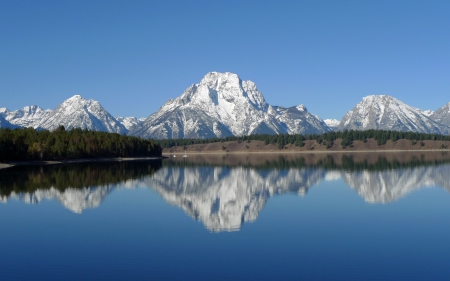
[255, 146]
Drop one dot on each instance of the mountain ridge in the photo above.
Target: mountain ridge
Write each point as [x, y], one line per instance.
[222, 105]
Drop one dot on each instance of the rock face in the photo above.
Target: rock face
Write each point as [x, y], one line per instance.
[129, 122]
[442, 115]
[29, 116]
[78, 112]
[224, 105]
[388, 113]
[5, 124]
[332, 124]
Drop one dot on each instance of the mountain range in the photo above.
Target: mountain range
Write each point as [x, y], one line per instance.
[224, 105]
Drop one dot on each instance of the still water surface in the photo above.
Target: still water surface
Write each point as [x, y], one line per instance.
[233, 217]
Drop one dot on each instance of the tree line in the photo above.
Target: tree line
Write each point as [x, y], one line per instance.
[347, 137]
[30, 144]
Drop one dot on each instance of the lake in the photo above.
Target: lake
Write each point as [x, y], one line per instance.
[360, 216]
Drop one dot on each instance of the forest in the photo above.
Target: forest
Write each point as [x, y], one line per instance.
[30, 144]
[347, 137]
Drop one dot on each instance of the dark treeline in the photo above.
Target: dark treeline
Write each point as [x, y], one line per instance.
[347, 136]
[346, 162]
[22, 179]
[29, 144]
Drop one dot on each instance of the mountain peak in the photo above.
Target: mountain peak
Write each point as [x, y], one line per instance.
[222, 105]
[4, 111]
[378, 98]
[76, 97]
[77, 112]
[301, 107]
[214, 79]
[383, 112]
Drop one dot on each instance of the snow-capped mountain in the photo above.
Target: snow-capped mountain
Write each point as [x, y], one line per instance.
[129, 122]
[28, 116]
[298, 120]
[442, 115]
[387, 113]
[4, 111]
[223, 105]
[5, 124]
[78, 112]
[332, 124]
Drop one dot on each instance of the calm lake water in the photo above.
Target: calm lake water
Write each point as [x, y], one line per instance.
[229, 217]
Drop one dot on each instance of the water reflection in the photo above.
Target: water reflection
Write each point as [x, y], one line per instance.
[224, 191]
[76, 186]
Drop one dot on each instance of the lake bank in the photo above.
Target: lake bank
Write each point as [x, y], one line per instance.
[71, 161]
[310, 146]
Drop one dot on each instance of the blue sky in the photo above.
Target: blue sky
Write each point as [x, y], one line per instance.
[133, 56]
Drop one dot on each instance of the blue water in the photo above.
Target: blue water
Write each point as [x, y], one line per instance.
[331, 232]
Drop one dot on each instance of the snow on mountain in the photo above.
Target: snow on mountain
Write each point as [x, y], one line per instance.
[332, 124]
[28, 116]
[442, 115]
[223, 105]
[387, 113]
[4, 111]
[6, 124]
[129, 122]
[77, 112]
[298, 120]
[427, 112]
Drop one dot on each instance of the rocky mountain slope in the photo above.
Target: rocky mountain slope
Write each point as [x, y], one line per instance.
[442, 115]
[387, 113]
[28, 116]
[332, 124]
[78, 112]
[6, 124]
[223, 105]
[75, 112]
[129, 122]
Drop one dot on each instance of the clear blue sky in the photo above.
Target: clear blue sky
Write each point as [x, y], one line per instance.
[132, 56]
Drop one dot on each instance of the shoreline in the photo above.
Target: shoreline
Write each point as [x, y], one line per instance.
[303, 152]
[4, 165]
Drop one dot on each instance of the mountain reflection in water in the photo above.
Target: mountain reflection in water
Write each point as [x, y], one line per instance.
[223, 191]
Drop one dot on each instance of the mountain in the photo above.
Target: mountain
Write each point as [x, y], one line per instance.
[387, 113]
[129, 122]
[78, 112]
[224, 105]
[332, 124]
[5, 124]
[28, 116]
[299, 121]
[4, 111]
[442, 115]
